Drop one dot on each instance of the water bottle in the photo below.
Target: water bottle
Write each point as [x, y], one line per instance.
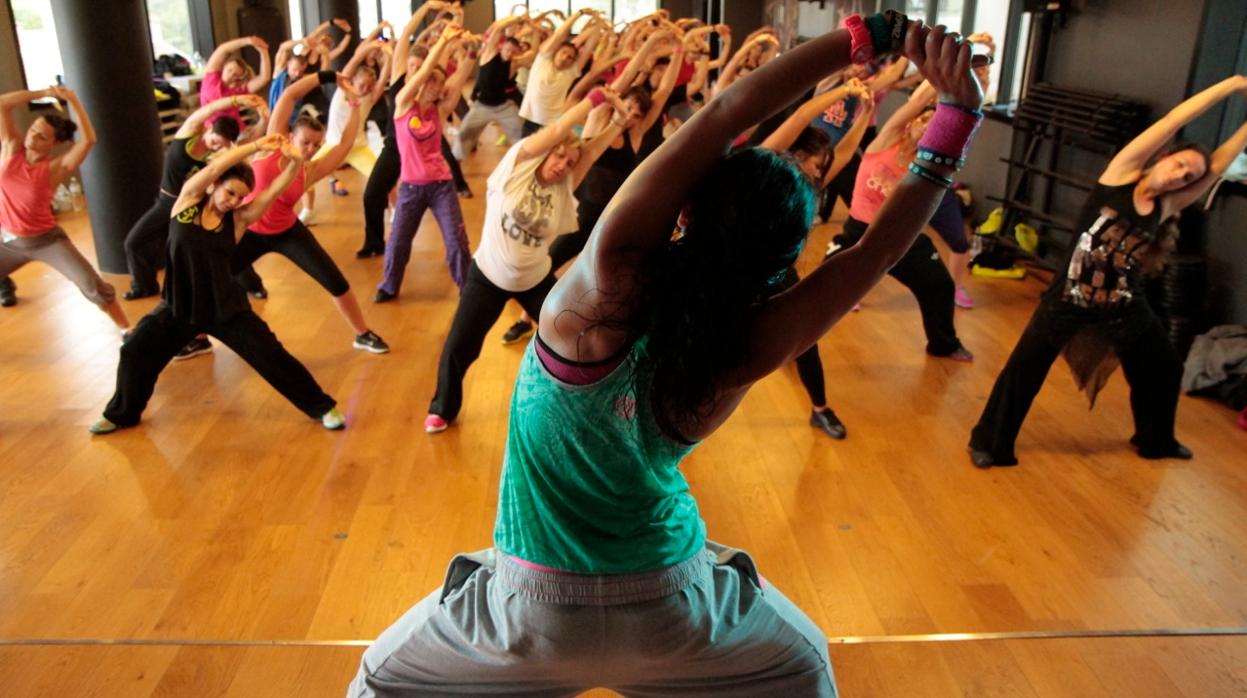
[77, 201]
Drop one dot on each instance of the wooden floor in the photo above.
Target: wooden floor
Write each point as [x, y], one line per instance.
[235, 548]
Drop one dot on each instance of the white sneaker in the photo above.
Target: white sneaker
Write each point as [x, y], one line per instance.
[305, 217]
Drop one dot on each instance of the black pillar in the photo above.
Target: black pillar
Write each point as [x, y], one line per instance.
[108, 62]
[346, 9]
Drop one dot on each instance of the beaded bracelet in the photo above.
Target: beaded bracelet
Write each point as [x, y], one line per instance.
[928, 155]
[938, 180]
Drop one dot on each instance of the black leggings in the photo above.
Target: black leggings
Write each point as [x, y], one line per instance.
[299, 246]
[480, 306]
[1149, 362]
[842, 187]
[809, 363]
[145, 245]
[381, 182]
[924, 274]
[159, 336]
[455, 170]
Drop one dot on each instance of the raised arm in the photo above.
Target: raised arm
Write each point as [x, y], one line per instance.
[887, 77]
[782, 138]
[597, 145]
[922, 98]
[454, 84]
[1217, 165]
[402, 43]
[321, 166]
[560, 35]
[254, 211]
[788, 324]
[639, 60]
[259, 82]
[10, 137]
[279, 121]
[68, 162]
[195, 122]
[222, 53]
[1129, 163]
[665, 87]
[284, 50]
[496, 34]
[197, 184]
[725, 46]
[550, 136]
[407, 96]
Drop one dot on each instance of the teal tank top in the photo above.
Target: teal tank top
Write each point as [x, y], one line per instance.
[590, 484]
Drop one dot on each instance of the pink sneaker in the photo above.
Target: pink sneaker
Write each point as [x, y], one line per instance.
[1242, 419]
[963, 299]
[434, 423]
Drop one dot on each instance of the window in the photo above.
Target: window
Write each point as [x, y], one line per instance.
[296, 18]
[369, 16]
[616, 10]
[36, 39]
[170, 23]
[993, 18]
[396, 12]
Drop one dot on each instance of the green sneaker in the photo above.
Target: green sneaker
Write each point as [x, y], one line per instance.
[333, 420]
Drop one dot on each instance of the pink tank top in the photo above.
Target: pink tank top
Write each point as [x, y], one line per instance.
[26, 196]
[212, 88]
[280, 216]
[876, 178]
[420, 146]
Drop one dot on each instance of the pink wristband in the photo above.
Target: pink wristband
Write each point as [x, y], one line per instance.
[597, 97]
[951, 130]
[862, 48]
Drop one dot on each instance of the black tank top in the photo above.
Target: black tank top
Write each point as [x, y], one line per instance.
[179, 165]
[1101, 270]
[199, 286]
[607, 175]
[391, 97]
[492, 82]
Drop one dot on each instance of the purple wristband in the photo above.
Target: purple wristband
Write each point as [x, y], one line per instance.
[596, 98]
[951, 130]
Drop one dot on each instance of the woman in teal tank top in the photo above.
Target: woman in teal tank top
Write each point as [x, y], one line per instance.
[601, 574]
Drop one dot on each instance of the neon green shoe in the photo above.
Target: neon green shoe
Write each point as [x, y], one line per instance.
[333, 420]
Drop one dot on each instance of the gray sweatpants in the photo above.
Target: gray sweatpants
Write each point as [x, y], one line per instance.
[54, 249]
[478, 117]
[709, 626]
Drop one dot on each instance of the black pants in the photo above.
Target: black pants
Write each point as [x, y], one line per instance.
[145, 245]
[456, 170]
[924, 274]
[1149, 362]
[842, 187]
[480, 306]
[381, 182]
[809, 363]
[530, 127]
[567, 246]
[299, 246]
[159, 336]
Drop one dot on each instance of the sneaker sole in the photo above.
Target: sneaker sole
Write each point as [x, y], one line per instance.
[193, 354]
[367, 348]
[520, 338]
[435, 430]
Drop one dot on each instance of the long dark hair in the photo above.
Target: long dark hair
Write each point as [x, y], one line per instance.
[748, 220]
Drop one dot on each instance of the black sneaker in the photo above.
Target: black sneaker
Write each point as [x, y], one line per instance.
[830, 424]
[466, 193]
[8, 293]
[522, 329]
[366, 252]
[259, 294]
[369, 341]
[193, 348]
[383, 297]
